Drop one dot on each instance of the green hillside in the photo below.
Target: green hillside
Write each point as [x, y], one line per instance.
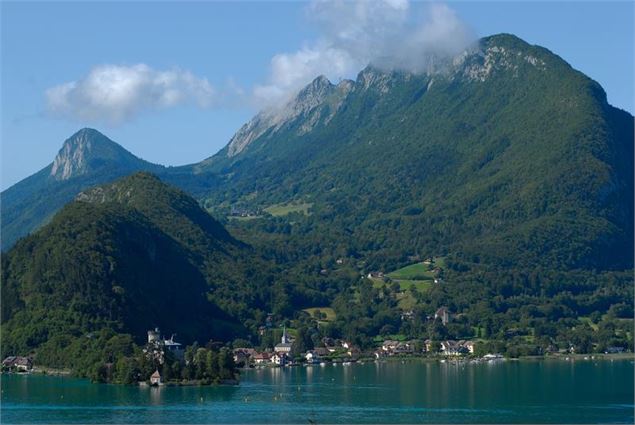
[520, 162]
[128, 257]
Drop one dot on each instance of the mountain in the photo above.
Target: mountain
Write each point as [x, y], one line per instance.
[504, 155]
[504, 164]
[127, 256]
[85, 159]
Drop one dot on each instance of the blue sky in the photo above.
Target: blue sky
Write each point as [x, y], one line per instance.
[204, 68]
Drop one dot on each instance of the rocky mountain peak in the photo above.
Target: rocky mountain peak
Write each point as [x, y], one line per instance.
[73, 158]
[306, 105]
[315, 91]
[86, 150]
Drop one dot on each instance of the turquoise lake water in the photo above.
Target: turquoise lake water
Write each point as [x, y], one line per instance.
[550, 391]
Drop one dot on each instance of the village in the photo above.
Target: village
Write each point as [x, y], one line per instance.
[336, 351]
[341, 351]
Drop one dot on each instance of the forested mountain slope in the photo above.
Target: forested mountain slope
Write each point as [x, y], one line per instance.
[504, 155]
[129, 256]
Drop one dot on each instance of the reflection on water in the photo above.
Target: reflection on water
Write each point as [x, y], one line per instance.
[540, 391]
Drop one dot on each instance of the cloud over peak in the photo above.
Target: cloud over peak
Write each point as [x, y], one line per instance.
[117, 93]
[389, 34]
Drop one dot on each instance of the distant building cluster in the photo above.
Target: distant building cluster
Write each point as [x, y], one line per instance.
[281, 355]
[17, 364]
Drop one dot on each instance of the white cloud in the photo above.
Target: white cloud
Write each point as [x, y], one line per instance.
[389, 34]
[289, 72]
[114, 93]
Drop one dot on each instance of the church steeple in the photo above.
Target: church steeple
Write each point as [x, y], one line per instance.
[285, 338]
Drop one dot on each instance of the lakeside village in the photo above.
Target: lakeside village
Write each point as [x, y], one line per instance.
[175, 364]
[164, 361]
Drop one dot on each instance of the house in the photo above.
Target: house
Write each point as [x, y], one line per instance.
[17, 364]
[469, 345]
[376, 275]
[155, 378]
[262, 358]
[243, 355]
[8, 362]
[285, 344]
[312, 357]
[340, 261]
[279, 359]
[346, 344]
[404, 348]
[389, 345]
[321, 351]
[452, 348]
[23, 364]
[427, 344]
[443, 314]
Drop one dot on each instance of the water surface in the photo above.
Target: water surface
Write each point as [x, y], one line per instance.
[554, 391]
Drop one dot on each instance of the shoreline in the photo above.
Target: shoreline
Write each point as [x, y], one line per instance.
[442, 359]
[66, 373]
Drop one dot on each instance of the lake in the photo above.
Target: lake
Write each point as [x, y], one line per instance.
[548, 391]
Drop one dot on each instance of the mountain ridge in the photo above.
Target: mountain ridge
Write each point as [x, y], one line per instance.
[491, 117]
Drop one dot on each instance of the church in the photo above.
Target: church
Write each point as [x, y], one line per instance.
[285, 343]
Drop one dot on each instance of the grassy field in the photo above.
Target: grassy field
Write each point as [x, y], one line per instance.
[330, 313]
[415, 275]
[417, 271]
[232, 217]
[421, 285]
[404, 284]
[279, 210]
